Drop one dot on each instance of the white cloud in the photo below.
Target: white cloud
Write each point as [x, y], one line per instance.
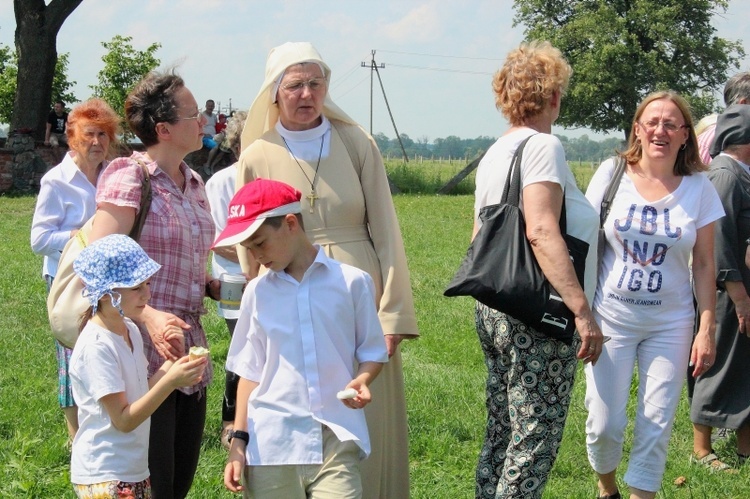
[421, 24]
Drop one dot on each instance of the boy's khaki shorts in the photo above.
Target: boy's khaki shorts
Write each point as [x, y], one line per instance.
[337, 478]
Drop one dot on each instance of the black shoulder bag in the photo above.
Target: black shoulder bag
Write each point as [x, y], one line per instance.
[501, 271]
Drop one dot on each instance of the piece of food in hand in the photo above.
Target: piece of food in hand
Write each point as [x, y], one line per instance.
[349, 393]
[198, 352]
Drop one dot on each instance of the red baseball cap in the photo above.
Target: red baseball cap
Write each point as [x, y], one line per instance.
[252, 204]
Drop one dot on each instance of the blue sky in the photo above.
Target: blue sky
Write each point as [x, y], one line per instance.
[439, 55]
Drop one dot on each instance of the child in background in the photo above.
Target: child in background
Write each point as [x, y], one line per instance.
[308, 329]
[220, 126]
[108, 373]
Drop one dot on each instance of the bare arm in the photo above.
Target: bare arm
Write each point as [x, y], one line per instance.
[47, 131]
[542, 204]
[236, 460]
[738, 294]
[113, 219]
[475, 230]
[127, 417]
[227, 252]
[366, 374]
[703, 352]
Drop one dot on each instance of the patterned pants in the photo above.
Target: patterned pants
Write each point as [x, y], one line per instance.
[530, 379]
[64, 386]
[114, 490]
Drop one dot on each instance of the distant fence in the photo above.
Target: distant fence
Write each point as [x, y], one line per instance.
[419, 158]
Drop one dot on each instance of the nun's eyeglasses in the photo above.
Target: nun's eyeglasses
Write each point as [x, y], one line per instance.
[296, 86]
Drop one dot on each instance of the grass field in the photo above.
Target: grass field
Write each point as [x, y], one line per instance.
[444, 375]
[427, 177]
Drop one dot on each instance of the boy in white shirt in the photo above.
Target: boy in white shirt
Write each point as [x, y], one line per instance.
[308, 329]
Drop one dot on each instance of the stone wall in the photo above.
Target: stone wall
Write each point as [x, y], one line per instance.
[23, 162]
[6, 169]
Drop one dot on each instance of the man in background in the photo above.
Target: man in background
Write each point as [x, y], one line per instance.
[209, 129]
[56, 123]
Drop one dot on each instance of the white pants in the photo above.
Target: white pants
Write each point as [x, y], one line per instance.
[662, 358]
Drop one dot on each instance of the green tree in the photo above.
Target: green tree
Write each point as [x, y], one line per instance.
[124, 66]
[37, 25]
[621, 50]
[382, 141]
[60, 84]
[8, 74]
[8, 82]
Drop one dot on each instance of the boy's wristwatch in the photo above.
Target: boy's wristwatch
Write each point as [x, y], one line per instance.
[242, 435]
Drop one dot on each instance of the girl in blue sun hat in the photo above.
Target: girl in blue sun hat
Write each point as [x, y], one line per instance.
[108, 371]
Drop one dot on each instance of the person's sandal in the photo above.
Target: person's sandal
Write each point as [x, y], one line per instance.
[616, 495]
[712, 462]
[226, 433]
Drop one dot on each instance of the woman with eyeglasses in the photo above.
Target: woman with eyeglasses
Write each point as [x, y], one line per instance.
[663, 212]
[294, 133]
[177, 233]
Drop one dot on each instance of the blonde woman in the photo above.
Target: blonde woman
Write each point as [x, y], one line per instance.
[530, 376]
[663, 212]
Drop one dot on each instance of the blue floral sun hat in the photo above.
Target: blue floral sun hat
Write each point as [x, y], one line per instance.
[115, 261]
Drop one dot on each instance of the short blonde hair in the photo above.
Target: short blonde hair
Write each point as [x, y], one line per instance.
[705, 122]
[233, 133]
[530, 75]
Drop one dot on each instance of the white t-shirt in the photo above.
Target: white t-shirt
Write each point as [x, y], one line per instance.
[210, 127]
[543, 160]
[102, 364]
[220, 190]
[645, 274]
[302, 342]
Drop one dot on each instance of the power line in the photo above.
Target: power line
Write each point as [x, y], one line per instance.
[441, 69]
[446, 56]
[341, 79]
[339, 96]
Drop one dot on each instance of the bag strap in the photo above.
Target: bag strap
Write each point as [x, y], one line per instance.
[512, 190]
[146, 196]
[609, 194]
[140, 218]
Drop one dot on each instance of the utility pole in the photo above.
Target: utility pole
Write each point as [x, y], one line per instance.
[374, 69]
